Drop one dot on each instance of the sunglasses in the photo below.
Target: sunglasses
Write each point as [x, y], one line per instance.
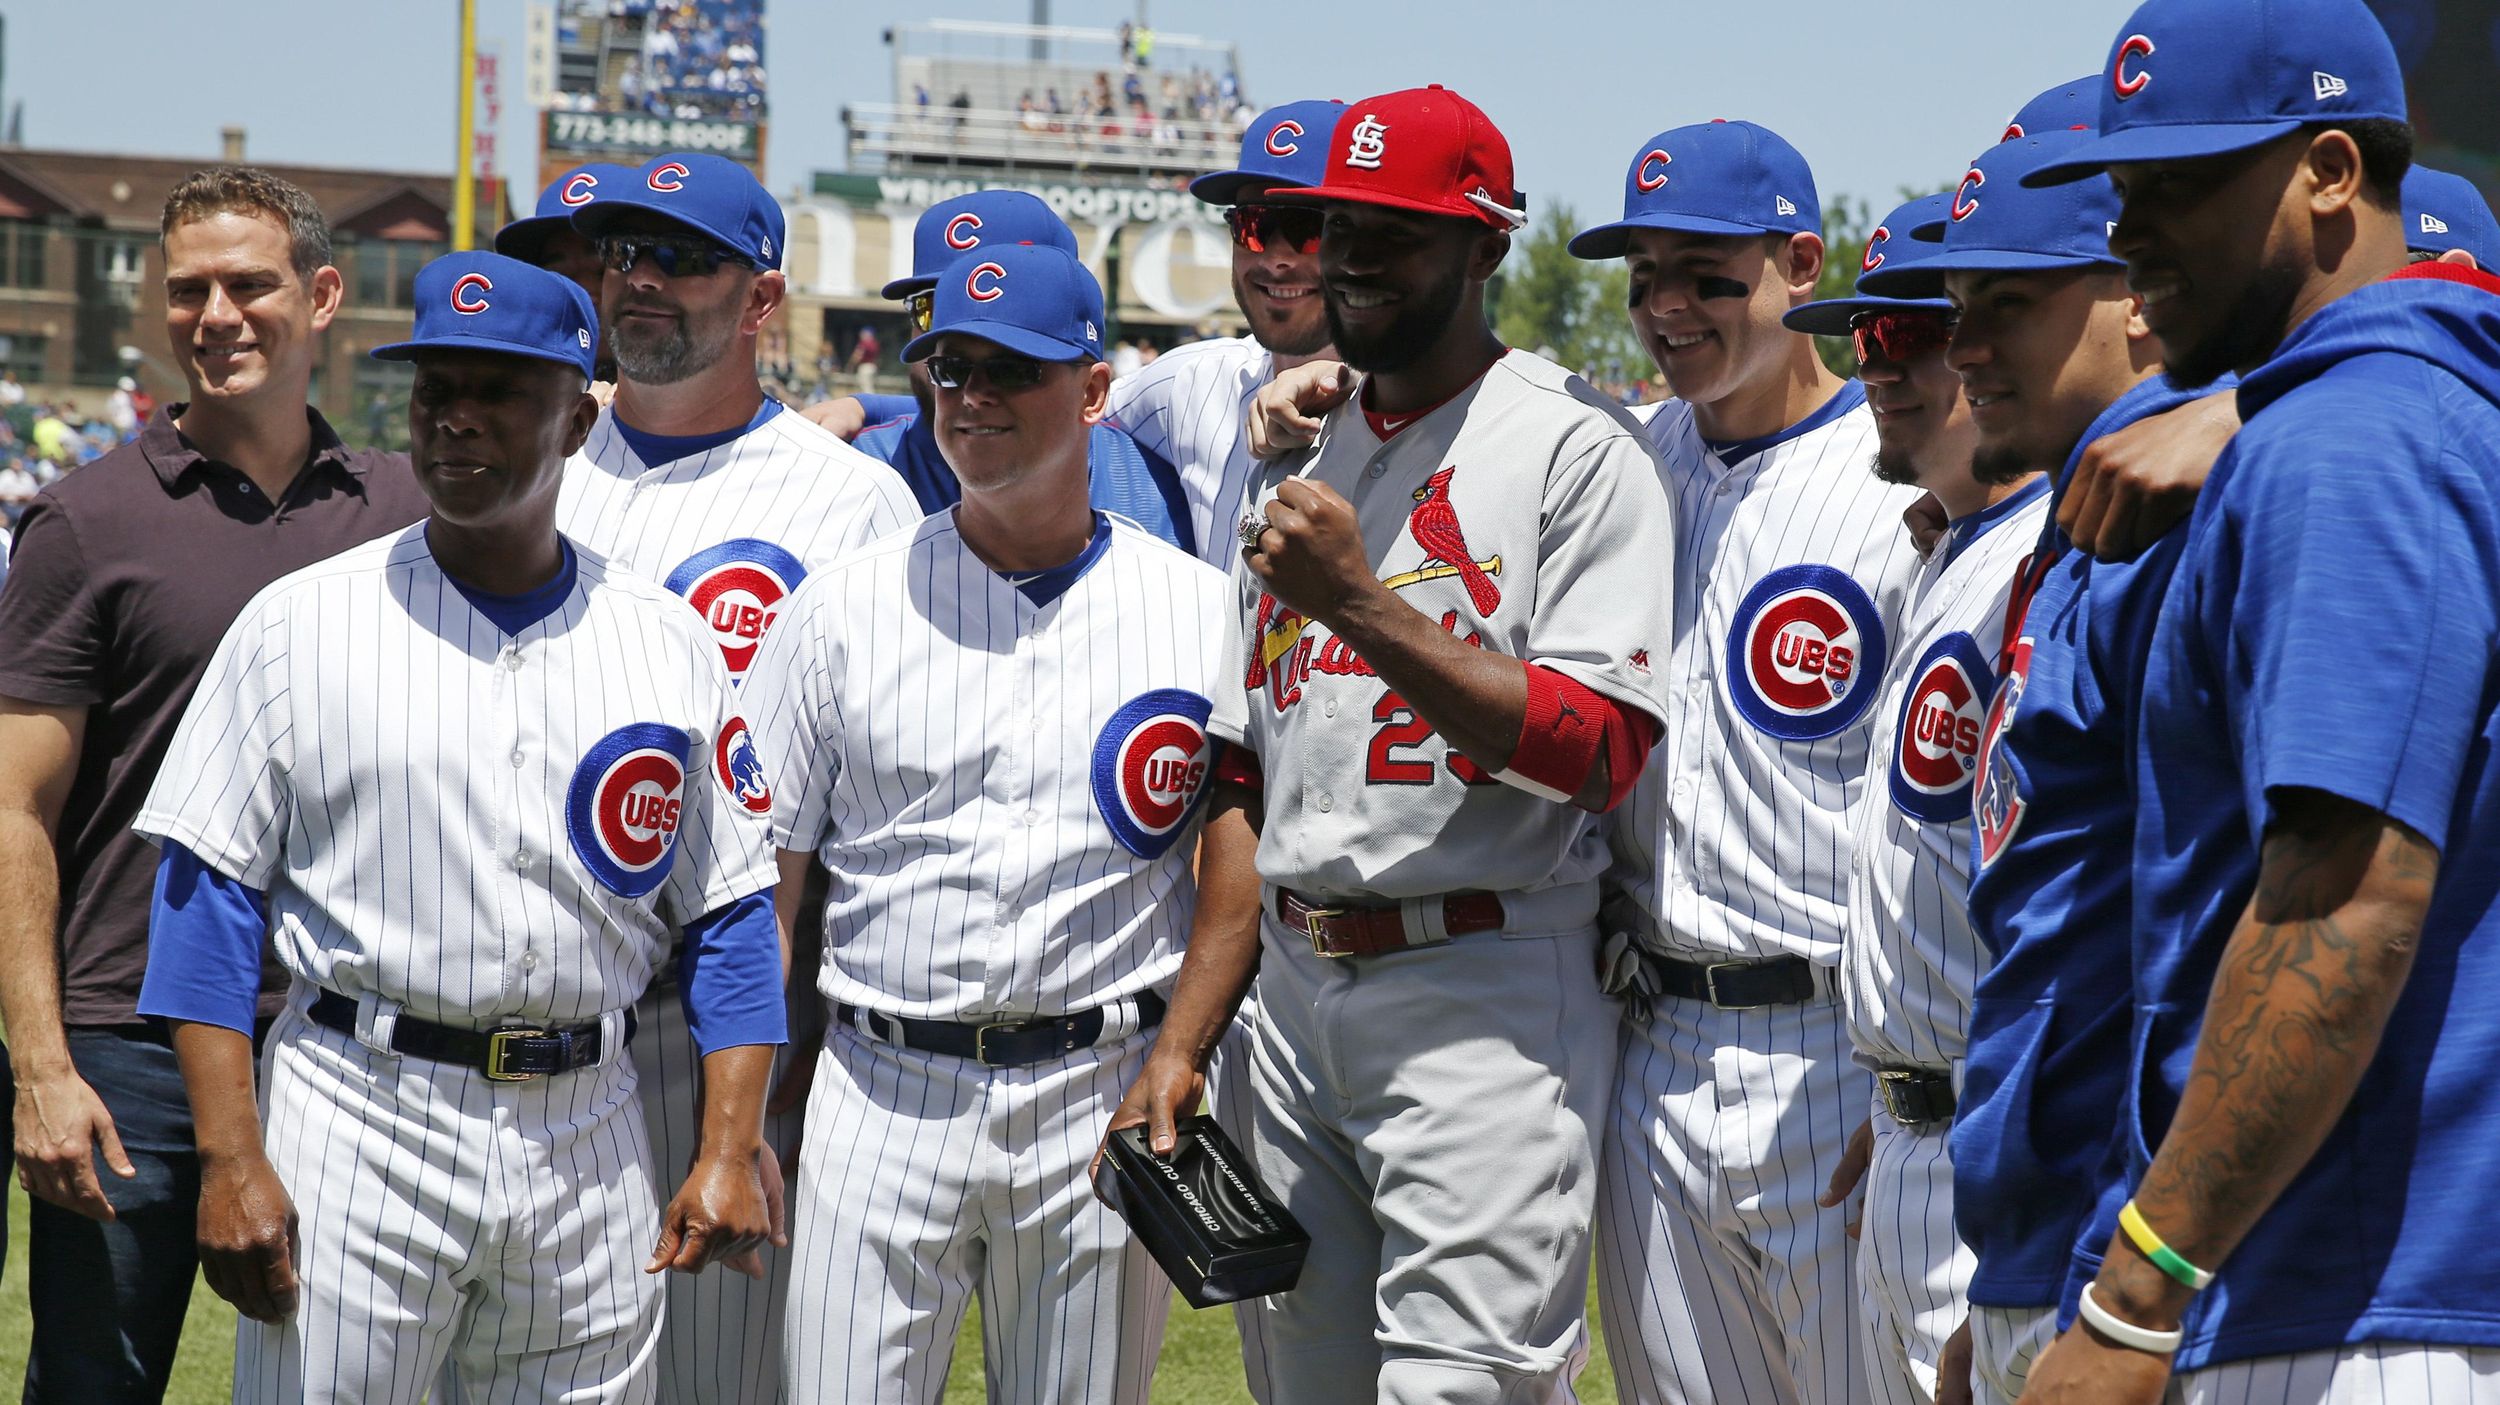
[676, 258]
[1290, 229]
[920, 307]
[1899, 337]
[1002, 372]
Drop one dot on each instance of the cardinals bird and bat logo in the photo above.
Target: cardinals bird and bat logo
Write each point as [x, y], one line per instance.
[1284, 649]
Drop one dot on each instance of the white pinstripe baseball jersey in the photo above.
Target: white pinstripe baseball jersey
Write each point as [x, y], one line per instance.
[479, 827]
[733, 530]
[1911, 957]
[1000, 788]
[1190, 407]
[1790, 572]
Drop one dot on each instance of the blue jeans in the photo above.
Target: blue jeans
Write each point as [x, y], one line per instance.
[108, 1299]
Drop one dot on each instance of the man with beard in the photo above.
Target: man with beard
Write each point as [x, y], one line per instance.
[1188, 406]
[696, 479]
[2051, 356]
[1909, 958]
[2310, 1134]
[1446, 630]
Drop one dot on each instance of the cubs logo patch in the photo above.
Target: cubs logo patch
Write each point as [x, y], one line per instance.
[668, 179]
[1873, 259]
[1997, 802]
[1650, 172]
[1279, 142]
[740, 770]
[1966, 195]
[580, 190]
[963, 231]
[1151, 765]
[621, 810]
[738, 587]
[468, 294]
[991, 291]
[1804, 654]
[1935, 749]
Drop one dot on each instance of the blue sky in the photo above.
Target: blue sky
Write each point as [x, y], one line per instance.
[1878, 97]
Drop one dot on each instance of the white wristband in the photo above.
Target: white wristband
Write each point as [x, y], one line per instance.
[2126, 1333]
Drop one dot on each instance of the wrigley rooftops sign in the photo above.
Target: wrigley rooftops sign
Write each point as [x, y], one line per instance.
[1076, 203]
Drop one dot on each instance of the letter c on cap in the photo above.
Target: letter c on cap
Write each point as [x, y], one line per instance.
[975, 291]
[963, 231]
[580, 190]
[462, 302]
[2133, 46]
[675, 173]
[1277, 145]
[1965, 201]
[1640, 172]
[1875, 249]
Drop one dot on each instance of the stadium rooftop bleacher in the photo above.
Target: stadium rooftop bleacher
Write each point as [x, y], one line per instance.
[993, 95]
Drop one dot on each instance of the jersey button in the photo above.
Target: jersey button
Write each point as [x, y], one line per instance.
[1327, 802]
[529, 961]
[1032, 817]
[1329, 707]
[517, 760]
[521, 860]
[512, 657]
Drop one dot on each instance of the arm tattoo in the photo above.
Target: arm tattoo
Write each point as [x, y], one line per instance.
[2299, 1001]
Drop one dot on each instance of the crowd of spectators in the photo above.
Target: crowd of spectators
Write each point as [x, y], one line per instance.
[699, 59]
[41, 440]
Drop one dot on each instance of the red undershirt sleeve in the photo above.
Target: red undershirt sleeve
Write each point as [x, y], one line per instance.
[1568, 726]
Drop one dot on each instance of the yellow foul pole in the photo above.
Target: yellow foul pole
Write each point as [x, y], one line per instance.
[463, 174]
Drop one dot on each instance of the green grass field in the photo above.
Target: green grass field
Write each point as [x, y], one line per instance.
[1201, 1359]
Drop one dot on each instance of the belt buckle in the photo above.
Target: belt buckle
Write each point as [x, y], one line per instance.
[981, 1038]
[1710, 975]
[498, 1048]
[1313, 920]
[1892, 1084]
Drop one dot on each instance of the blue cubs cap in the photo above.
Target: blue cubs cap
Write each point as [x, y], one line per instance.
[1993, 221]
[711, 195]
[1711, 178]
[1284, 146]
[492, 302]
[2444, 212]
[2195, 78]
[526, 239]
[950, 229]
[1888, 247]
[1031, 299]
[2068, 107]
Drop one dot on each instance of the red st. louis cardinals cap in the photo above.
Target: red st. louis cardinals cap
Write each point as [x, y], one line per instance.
[1423, 149]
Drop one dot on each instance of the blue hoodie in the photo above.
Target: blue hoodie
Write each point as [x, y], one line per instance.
[2334, 625]
[2049, 895]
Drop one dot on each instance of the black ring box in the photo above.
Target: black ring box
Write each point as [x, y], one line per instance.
[1216, 1231]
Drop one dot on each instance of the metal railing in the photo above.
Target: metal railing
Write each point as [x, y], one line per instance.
[987, 137]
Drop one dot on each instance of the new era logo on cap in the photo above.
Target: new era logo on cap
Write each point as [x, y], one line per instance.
[2433, 224]
[1368, 143]
[1785, 205]
[2327, 85]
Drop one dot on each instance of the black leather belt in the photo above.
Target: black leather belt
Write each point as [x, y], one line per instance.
[1006, 1044]
[510, 1054]
[1740, 985]
[1916, 1097]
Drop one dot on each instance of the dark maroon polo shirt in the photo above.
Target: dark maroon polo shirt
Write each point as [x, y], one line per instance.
[126, 574]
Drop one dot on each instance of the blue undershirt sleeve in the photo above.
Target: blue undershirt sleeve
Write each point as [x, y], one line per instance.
[883, 408]
[730, 976]
[205, 932]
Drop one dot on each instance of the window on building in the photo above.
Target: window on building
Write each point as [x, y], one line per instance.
[386, 269]
[24, 355]
[21, 254]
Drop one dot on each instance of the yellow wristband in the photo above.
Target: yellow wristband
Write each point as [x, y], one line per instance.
[2154, 1247]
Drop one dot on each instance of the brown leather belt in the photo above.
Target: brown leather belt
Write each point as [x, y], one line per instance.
[1343, 929]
